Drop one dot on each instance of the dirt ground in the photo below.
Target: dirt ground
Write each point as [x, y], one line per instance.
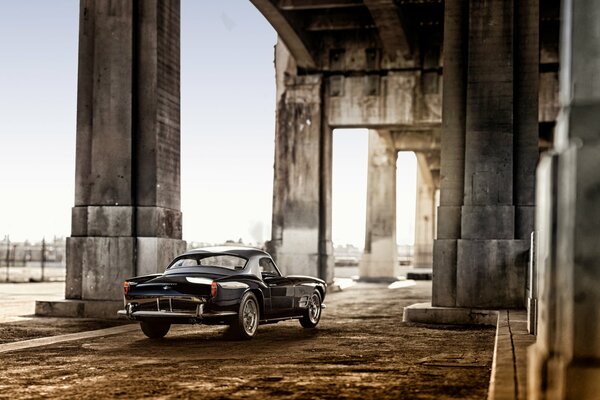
[361, 350]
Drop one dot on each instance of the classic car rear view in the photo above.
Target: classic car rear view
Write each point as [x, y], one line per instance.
[239, 287]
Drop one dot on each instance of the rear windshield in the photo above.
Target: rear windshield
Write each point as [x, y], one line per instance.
[210, 260]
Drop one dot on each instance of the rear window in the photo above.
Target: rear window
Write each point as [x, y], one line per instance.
[210, 260]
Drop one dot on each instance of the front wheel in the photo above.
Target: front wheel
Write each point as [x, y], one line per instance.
[245, 325]
[155, 330]
[313, 311]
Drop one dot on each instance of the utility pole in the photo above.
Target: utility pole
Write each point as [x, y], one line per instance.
[43, 257]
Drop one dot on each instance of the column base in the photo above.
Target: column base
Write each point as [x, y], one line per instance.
[425, 313]
[444, 273]
[297, 253]
[96, 266]
[102, 309]
[154, 254]
[381, 261]
[491, 273]
[301, 253]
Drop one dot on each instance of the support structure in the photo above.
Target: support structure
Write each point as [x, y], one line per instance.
[565, 361]
[301, 230]
[488, 154]
[424, 215]
[126, 220]
[380, 256]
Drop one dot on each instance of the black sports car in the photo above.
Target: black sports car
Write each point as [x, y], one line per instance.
[236, 286]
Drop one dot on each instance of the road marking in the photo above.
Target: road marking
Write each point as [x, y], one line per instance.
[27, 344]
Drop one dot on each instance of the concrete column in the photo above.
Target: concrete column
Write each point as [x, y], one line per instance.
[564, 363]
[488, 271]
[452, 146]
[126, 220]
[480, 257]
[424, 215]
[526, 99]
[301, 230]
[380, 257]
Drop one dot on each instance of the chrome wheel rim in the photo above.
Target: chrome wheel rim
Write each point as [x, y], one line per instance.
[250, 317]
[314, 308]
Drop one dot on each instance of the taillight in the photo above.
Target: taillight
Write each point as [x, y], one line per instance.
[125, 287]
[213, 289]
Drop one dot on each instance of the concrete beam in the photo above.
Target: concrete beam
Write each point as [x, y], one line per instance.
[290, 33]
[339, 21]
[421, 141]
[352, 106]
[291, 5]
[392, 29]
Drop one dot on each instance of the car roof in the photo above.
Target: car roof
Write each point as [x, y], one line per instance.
[239, 251]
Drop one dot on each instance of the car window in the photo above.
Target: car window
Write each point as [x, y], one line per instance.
[267, 268]
[221, 260]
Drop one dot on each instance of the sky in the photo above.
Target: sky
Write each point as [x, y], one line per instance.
[227, 127]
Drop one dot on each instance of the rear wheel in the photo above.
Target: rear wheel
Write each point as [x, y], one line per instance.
[155, 330]
[245, 325]
[312, 314]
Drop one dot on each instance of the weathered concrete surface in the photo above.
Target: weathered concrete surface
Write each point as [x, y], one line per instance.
[126, 218]
[424, 313]
[105, 309]
[424, 215]
[361, 349]
[491, 272]
[380, 256]
[488, 154]
[452, 162]
[390, 105]
[509, 373]
[566, 359]
[301, 224]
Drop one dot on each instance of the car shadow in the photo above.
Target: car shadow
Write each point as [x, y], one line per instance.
[207, 339]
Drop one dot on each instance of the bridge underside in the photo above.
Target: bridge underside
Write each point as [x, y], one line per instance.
[379, 65]
[375, 64]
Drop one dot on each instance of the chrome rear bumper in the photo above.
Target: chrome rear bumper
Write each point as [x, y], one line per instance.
[199, 314]
[174, 314]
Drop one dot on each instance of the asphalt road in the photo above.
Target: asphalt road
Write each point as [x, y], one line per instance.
[361, 349]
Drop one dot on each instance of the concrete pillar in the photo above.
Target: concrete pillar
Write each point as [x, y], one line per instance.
[380, 257]
[126, 220]
[526, 104]
[452, 158]
[480, 257]
[424, 215]
[301, 230]
[565, 361]
[487, 275]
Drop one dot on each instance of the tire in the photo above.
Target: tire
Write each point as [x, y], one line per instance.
[155, 330]
[313, 311]
[245, 325]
